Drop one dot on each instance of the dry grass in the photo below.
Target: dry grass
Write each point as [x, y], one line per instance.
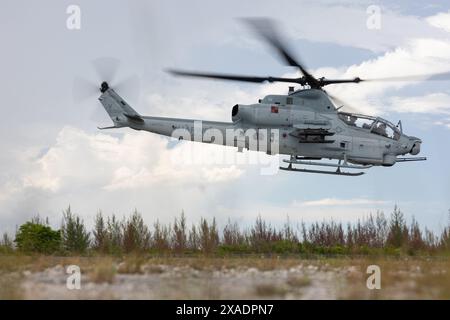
[267, 290]
[10, 286]
[132, 264]
[103, 271]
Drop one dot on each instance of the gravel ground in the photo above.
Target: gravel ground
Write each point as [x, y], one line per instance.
[297, 281]
[136, 277]
[168, 282]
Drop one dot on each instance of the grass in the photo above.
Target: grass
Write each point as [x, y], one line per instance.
[104, 271]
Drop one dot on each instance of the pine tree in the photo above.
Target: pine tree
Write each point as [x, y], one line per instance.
[179, 237]
[398, 231]
[75, 238]
[100, 234]
[136, 236]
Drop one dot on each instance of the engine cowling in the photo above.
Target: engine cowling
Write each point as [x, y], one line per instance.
[262, 114]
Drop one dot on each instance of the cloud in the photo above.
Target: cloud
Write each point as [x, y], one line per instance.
[342, 202]
[434, 103]
[79, 159]
[117, 173]
[420, 56]
[441, 20]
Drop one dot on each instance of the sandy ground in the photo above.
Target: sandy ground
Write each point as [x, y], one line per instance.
[235, 279]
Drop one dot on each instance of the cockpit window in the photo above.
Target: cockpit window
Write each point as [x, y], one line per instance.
[386, 130]
[374, 125]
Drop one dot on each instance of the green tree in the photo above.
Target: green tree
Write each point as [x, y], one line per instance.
[136, 236]
[179, 235]
[398, 231]
[36, 237]
[114, 235]
[75, 238]
[161, 237]
[100, 234]
[208, 235]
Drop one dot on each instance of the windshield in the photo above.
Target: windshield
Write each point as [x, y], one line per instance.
[386, 129]
[377, 126]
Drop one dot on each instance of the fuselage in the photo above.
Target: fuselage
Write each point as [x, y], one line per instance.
[304, 123]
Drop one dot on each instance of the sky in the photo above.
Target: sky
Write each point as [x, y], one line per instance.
[53, 155]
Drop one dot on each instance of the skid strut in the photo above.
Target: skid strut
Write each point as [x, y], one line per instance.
[294, 160]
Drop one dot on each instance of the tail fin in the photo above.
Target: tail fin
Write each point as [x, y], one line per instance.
[118, 110]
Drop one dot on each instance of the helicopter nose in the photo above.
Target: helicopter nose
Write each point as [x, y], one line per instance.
[415, 150]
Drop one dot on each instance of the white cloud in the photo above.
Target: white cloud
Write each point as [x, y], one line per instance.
[341, 202]
[441, 20]
[100, 171]
[80, 160]
[434, 103]
[221, 174]
[420, 56]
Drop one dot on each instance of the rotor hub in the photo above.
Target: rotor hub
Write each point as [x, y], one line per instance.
[104, 87]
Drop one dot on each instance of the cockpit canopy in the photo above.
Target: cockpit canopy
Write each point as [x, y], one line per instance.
[374, 125]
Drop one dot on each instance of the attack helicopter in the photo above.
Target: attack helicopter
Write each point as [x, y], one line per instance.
[310, 128]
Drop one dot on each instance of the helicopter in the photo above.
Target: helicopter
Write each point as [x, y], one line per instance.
[306, 124]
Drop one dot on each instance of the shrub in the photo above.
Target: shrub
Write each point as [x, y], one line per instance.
[36, 237]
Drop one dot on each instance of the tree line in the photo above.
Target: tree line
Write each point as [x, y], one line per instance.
[374, 234]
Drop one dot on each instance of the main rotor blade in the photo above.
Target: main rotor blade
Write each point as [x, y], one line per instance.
[267, 30]
[325, 82]
[436, 76]
[236, 77]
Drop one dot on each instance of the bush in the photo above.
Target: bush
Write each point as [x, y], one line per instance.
[36, 237]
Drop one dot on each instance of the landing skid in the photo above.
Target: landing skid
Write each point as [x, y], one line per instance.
[338, 172]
